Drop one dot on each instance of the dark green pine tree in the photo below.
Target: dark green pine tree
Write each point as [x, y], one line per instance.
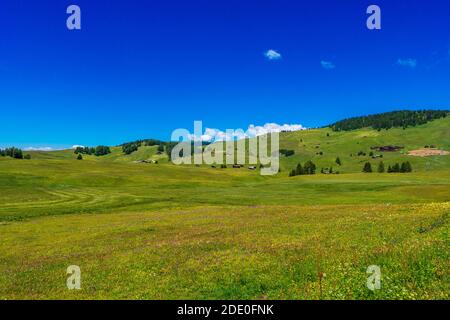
[396, 168]
[299, 170]
[309, 167]
[408, 167]
[381, 167]
[338, 161]
[405, 167]
[367, 167]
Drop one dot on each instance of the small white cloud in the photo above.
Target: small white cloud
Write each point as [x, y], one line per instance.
[38, 149]
[409, 63]
[77, 146]
[272, 55]
[327, 65]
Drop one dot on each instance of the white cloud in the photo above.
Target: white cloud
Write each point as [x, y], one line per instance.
[77, 146]
[272, 55]
[211, 135]
[38, 149]
[327, 65]
[409, 63]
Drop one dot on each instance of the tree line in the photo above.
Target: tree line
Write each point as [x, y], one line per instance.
[14, 152]
[308, 168]
[389, 120]
[97, 151]
[130, 147]
[404, 167]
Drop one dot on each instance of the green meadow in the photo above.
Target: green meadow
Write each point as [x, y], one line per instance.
[160, 231]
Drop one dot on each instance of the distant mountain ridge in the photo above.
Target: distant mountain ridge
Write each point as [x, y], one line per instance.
[387, 120]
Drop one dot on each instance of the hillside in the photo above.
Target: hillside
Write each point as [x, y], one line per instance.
[387, 120]
[158, 231]
[309, 144]
[343, 144]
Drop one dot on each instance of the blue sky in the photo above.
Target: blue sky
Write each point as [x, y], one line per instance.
[142, 69]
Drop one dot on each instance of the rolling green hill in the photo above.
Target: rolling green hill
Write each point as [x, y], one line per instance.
[161, 231]
[387, 120]
[343, 144]
[308, 145]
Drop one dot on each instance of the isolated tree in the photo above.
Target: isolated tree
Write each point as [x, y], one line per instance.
[408, 166]
[402, 167]
[331, 170]
[27, 156]
[338, 161]
[405, 167]
[299, 170]
[79, 157]
[309, 167]
[381, 167]
[389, 170]
[367, 167]
[396, 168]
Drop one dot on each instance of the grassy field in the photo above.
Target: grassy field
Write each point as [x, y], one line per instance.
[147, 231]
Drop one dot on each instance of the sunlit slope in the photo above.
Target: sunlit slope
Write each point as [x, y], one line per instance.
[33, 188]
[160, 231]
[343, 144]
[322, 149]
[146, 153]
[116, 155]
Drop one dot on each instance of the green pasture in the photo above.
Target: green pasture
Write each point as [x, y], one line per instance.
[160, 231]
